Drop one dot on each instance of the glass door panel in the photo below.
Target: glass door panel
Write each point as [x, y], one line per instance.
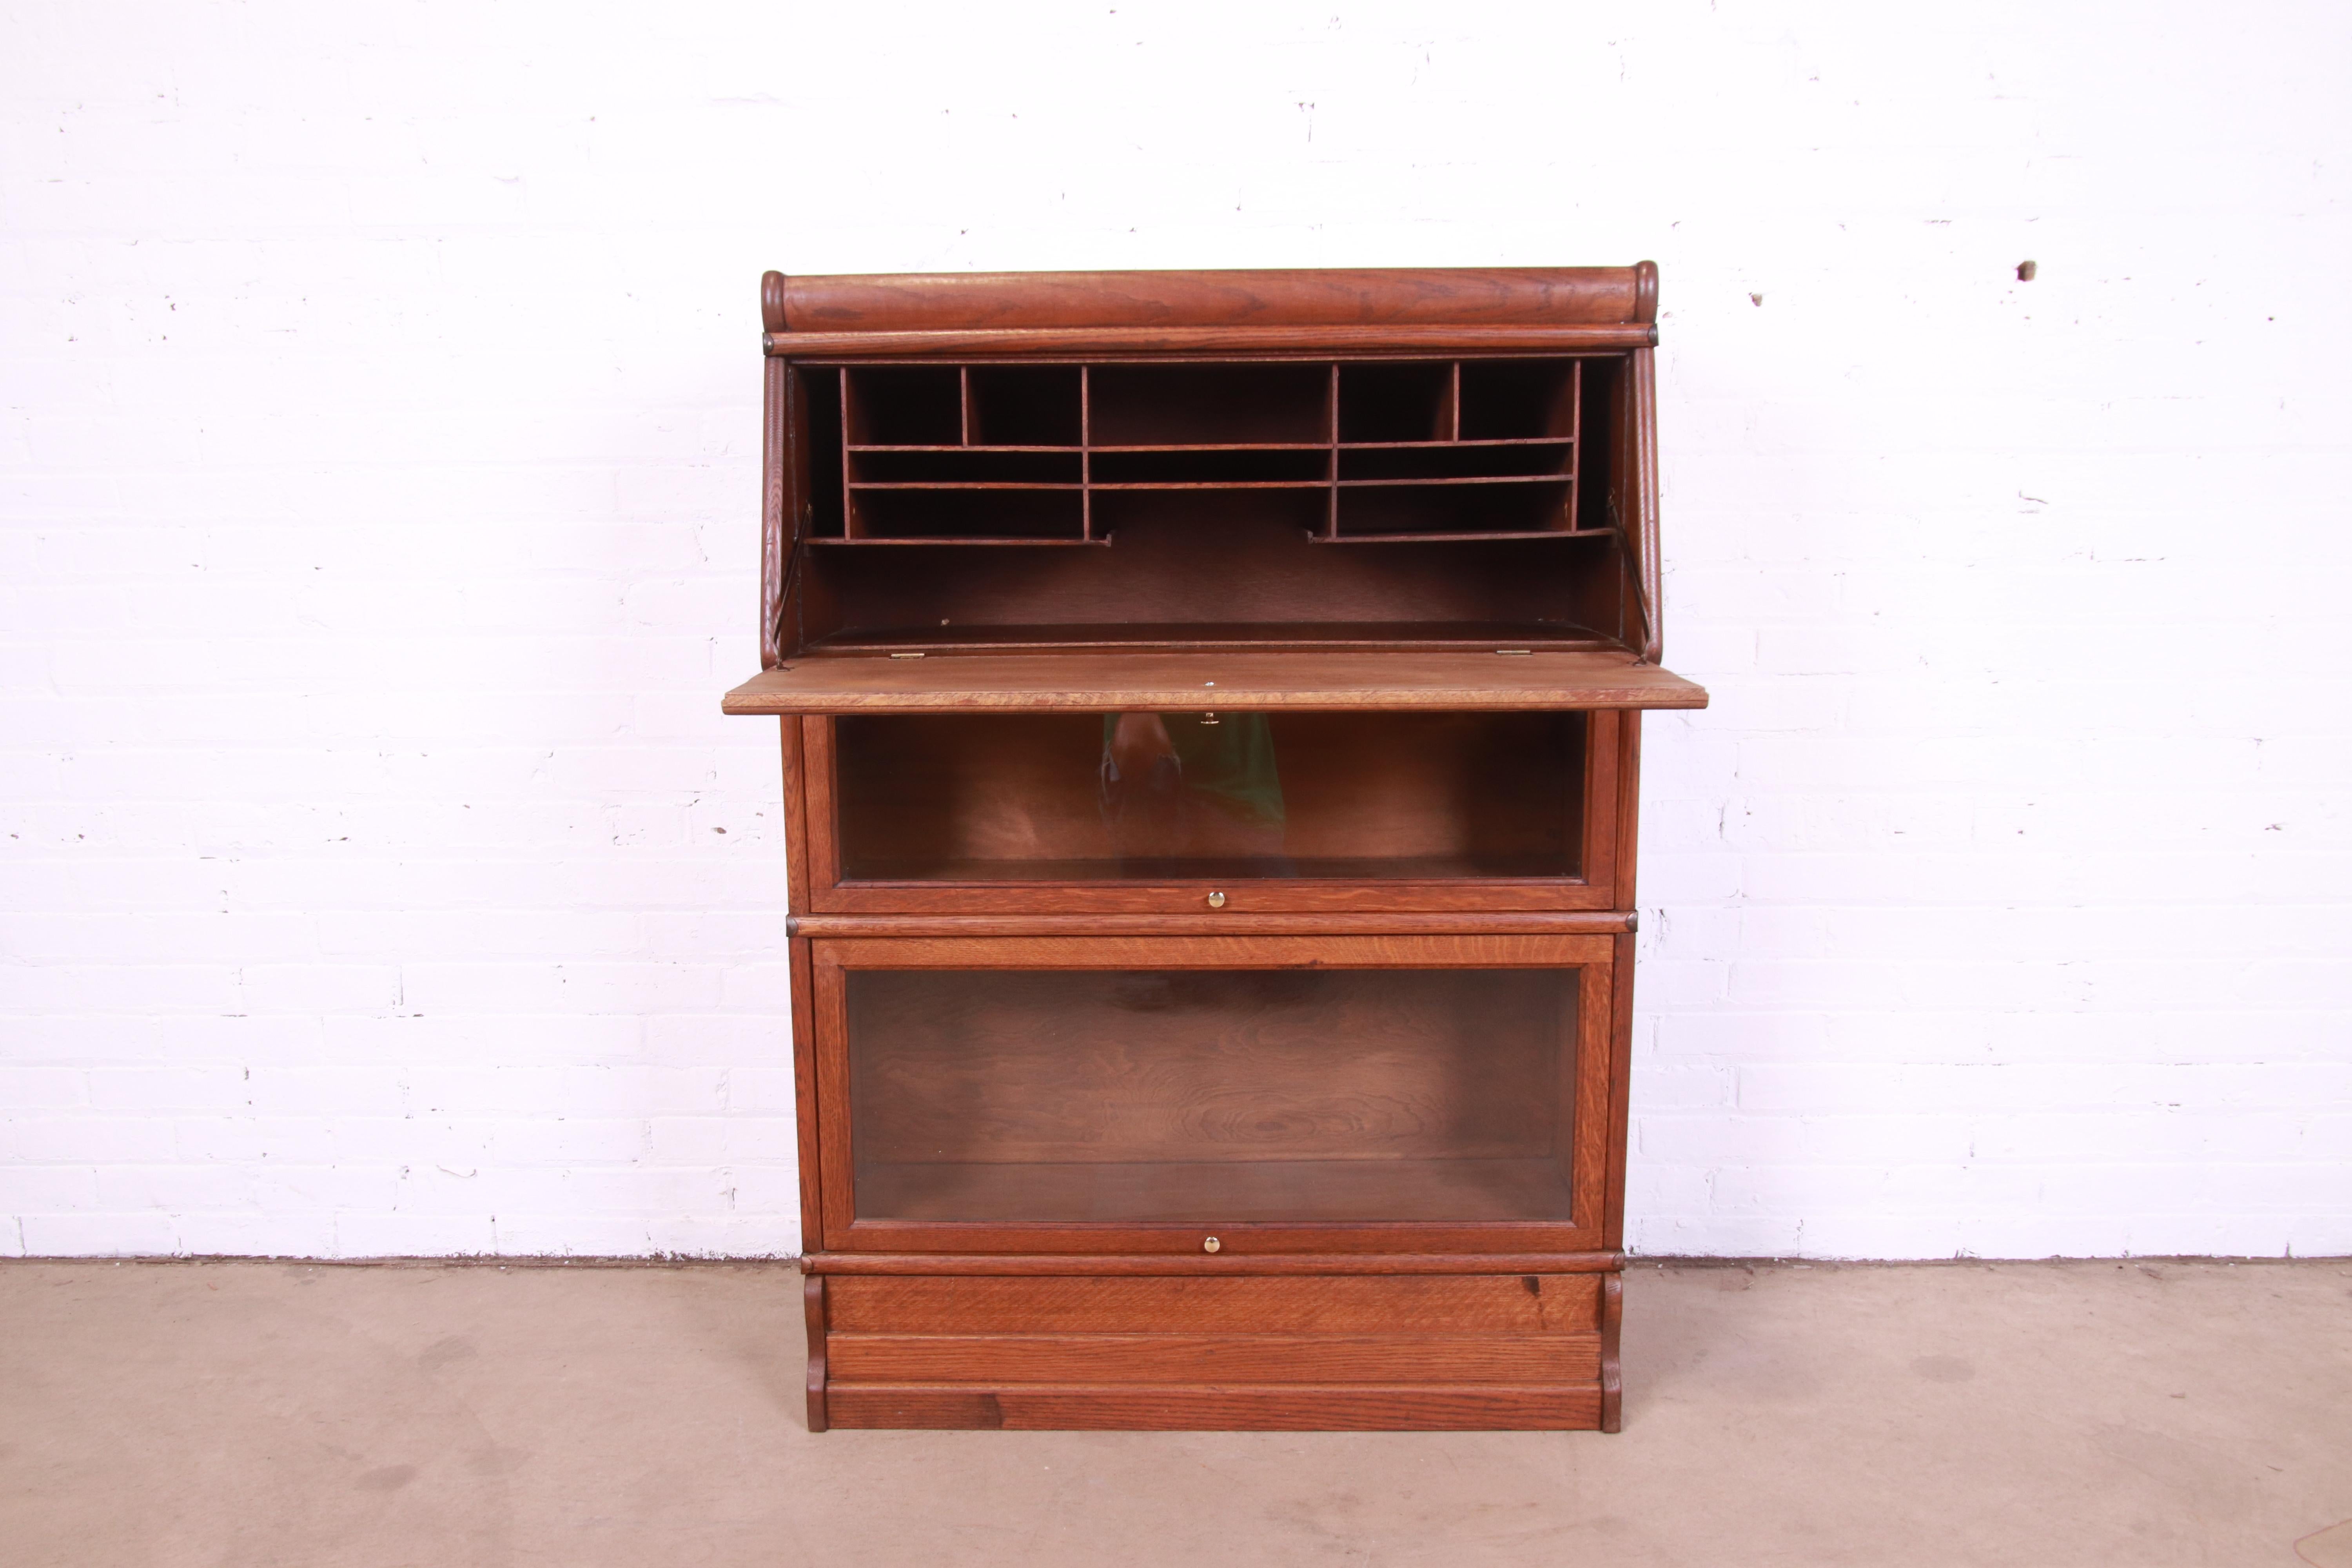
[1216, 1097]
[1062, 797]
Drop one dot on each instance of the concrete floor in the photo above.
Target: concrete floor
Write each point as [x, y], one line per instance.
[250, 1414]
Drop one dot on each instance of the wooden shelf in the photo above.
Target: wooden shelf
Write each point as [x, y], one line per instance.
[1218, 1191]
[1336, 637]
[1303, 869]
[1516, 536]
[940, 540]
[1236, 681]
[1418, 451]
[1459, 481]
[1456, 445]
[1211, 446]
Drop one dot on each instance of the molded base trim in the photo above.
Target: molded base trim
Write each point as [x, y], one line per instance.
[1294, 1407]
[1106, 1264]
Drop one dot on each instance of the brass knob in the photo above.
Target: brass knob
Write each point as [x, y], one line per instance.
[1211, 1245]
[1216, 901]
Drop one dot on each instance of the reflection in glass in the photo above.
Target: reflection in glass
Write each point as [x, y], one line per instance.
[1212, 1095]
[1192, 786]
[1056, 797]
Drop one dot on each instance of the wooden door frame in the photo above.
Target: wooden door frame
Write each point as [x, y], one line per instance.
[1598, 1153]
[1596, 888]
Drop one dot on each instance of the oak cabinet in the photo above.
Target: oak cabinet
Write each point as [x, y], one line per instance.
[1210, 708]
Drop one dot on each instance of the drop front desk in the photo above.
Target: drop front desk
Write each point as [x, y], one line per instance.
[1211, 708]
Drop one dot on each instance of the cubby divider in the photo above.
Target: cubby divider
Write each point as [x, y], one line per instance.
[1221, 469]
[965, 515]
[1408, 451]
[1457, 464]
[974, 467]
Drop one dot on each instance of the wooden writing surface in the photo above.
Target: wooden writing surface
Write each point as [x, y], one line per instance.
[1110, 683]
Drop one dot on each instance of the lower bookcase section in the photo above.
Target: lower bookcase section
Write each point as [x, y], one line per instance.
[1277, 1352]
[1121, 1084]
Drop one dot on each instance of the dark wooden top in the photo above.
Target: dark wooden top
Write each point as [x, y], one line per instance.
[1237, 681]
[1115, 343]
[1365, 297]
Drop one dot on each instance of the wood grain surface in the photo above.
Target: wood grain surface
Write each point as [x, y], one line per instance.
[1257, 1357]
[1086, 1243]
[1150, 342]
[1430, 781]
[1212, 569]
[1036, 1070]
[1123, 1073]
[944, 794]
[1016, 796]
[1399, 1262]
[1335, 635]
[813, 1289]
[1160, 1407]
[1219, 1194]
[1266, 1304]
[779, 531]
[1497, 296]
[1613, 1380]
[1337, 898]
[1243, 297]
[1551, 1201]
[1220, 952]
[1640, 515]
[1197, 920]
[1176, 682]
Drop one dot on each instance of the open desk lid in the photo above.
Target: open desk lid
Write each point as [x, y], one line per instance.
[1239, 681]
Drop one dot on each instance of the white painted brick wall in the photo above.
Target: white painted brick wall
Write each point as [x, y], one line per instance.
[377, 475]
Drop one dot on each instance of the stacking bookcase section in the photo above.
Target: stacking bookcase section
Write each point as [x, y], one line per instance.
[1212, 935]
[996, 811]
[1137, 1097]
[1284, 1100]
[1361, 796]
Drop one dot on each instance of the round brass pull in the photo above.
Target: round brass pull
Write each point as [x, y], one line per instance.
[1216, 901]
[1211, 1245]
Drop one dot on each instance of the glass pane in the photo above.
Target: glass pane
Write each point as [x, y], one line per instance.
[1308, 1095]
[1063, 797]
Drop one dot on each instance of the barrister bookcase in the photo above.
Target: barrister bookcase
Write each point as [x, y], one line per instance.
[1211, 709]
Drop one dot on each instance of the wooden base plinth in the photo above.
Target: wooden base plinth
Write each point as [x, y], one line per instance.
[1192, 1407]
[1358, 1351]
